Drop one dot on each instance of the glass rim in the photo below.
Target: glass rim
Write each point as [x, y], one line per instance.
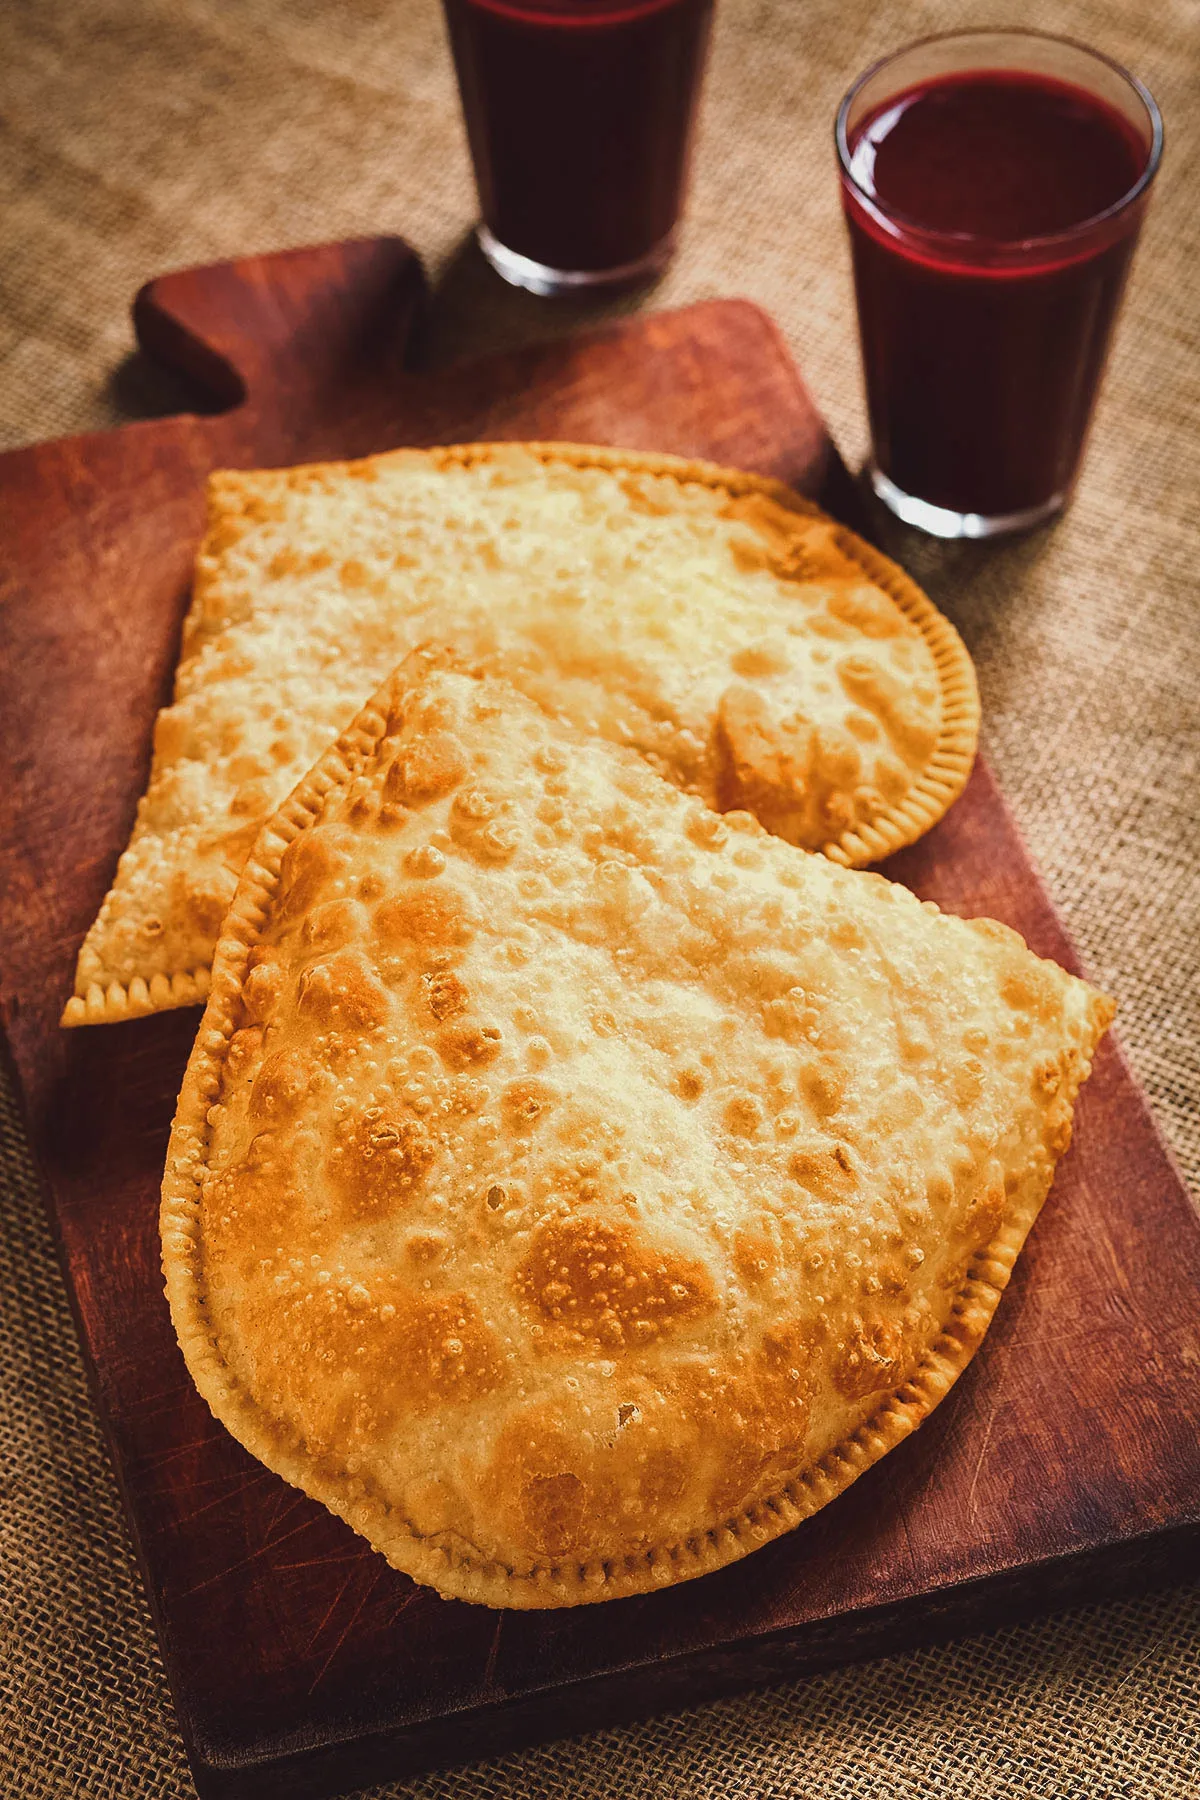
[901, 224]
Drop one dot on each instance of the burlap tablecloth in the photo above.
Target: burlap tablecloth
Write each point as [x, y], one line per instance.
[139, 135]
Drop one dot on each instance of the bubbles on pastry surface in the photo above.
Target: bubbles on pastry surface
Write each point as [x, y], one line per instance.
[424, 862]
[425, 768]
[342, 991]
[312, 862]
[426, 918]
[467, 1041]
[600, 1282]
[446, 995]
[281, 1086]
[575, 1005]
[690, 1083]
[744, 1115]
[331, 924]
[376, 1164]
[527, 1102]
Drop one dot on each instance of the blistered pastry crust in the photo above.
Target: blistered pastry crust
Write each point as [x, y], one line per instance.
[242, 728]
[504, 1295]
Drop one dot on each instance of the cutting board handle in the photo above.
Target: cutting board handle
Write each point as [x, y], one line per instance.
[282, 330]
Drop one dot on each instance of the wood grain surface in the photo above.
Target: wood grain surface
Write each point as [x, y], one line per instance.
[1064, 1466]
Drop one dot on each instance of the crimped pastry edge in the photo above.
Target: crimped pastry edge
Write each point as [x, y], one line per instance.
[108, 1001]
[107, 1004]
[455, 1568]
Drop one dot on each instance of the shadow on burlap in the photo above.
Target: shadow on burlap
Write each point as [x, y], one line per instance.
[139, 135]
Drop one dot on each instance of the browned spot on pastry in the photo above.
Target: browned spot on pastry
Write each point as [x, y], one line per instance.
[823, 1084]
[602, 1284]
[706, 830]
[330, 926]
[600, 1483]
[761, 1415]
[794, 777]
[526, 1102]
[554, 1508]
[264, 509]
[824, 1170]
[426, 768]
[837, 760]
[689, 1084]
[867, 608]
[793, 547]
[376, 1163]
[425, 1247]
[263, 984]
[744, 1115]
[430, 918]
[1058, 1129]
[255, 1201]
[205, 899]
[1032, 988]
[424, 861]
[287, 561]
[495, 842]
[862, 726]
[647, 494]
[252, 801]
[869, 1360]
[472, 807]
[911, 727]
[348, 1359]
[551, 1493]
[445, 994]
[790, 1016]
[280, 1087]
[891, 776]
[996, 933]
[342, 991]
[466, 1042]
[985, 1215]
[755, 1257]
[767, 764]
[311, 861]
[759, 659]
[441, 1351]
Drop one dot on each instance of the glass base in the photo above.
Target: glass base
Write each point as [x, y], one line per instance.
[539, 278]
[943, 522]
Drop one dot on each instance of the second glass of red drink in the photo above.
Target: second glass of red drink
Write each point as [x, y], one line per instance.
[994, 184]
[579, 115]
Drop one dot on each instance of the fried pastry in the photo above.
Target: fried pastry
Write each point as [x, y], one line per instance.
[572, 1189]
[755, 653]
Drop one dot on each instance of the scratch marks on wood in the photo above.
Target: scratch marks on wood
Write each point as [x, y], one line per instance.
[346, 1629]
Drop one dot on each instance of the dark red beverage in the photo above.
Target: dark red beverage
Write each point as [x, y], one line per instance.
[993, 212]
[579, 115]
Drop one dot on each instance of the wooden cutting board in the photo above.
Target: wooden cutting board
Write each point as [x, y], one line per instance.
[1065, 1466]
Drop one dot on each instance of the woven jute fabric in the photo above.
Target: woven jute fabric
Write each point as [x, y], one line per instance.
[141, 135]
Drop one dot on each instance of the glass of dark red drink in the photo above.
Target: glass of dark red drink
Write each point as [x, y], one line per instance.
[579, 115]
[994, 183]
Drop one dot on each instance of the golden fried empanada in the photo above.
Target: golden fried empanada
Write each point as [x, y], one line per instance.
[755, 653]
[572, 1189]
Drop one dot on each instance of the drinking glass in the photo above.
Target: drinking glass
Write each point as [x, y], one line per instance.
[994, 183]
[579, 115]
